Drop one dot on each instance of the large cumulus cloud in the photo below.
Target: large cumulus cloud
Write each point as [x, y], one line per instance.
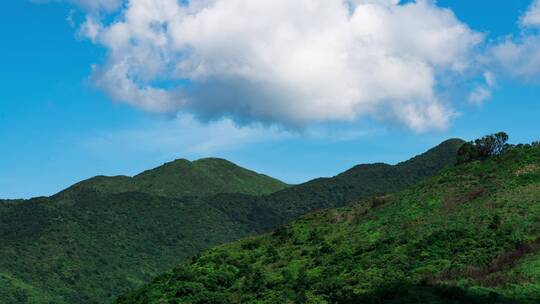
[287, 62]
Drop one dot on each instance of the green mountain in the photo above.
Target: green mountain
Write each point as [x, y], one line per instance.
[470, 234]
[362, 181]
[93, 240]
[104, 236]
[181, 177]
[263, 213]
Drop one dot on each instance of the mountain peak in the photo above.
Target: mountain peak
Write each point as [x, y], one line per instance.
[212, 160]
[181, 177]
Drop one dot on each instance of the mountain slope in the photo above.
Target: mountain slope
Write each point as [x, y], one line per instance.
[470, 234]
[99, 238]
[358, 183]
[104, 243]
[181, 177]
[90, 242]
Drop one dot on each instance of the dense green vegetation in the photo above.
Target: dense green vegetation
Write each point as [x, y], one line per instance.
[181, 177]
[93, 240]
[101, 237]
[470, 234]
[363, 181]
[103, 243]
[483, 148]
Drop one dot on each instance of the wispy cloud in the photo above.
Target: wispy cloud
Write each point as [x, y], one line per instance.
[531, 18]
[183, 135]
[91, 6]
[519, 56]
[483, 92]
[186, 136]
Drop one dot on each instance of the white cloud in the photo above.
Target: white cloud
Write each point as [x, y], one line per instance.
[279, 61]
[90, 28]
[490, 79]
[116, 81]
[520, 56]
[483, 92]
[479, 95]
[532, 17]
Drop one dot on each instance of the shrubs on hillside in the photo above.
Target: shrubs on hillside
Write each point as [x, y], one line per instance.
[483, 148]
[457, 238]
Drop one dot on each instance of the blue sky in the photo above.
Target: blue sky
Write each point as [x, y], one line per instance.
[58, 127]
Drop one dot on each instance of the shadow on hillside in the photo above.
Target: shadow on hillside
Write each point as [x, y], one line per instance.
[427, 294]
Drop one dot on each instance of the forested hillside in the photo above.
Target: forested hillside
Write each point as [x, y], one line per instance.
[470, 234]
[363, 181]
[101, 237]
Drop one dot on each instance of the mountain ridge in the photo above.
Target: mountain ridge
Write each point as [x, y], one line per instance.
[89, 246]
[366, 180]
[469, 234]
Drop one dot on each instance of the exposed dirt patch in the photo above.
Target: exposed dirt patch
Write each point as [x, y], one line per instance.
[490, 275]
[532, 168]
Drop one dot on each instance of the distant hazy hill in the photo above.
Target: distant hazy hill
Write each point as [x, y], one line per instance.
[470, 234]
[181, 177]
[101, 237]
